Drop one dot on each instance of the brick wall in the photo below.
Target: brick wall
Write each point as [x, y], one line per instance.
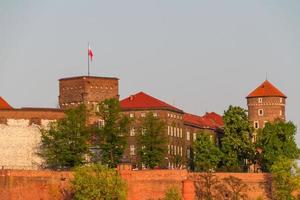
[273, 108]
[86, 89]
[142, 185]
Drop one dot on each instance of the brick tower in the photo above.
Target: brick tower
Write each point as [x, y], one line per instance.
[265, 104]
[88, 90]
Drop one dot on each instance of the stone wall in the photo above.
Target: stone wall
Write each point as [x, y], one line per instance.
[20, 136]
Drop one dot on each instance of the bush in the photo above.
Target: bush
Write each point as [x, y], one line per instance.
[98, 182]
[172, 193]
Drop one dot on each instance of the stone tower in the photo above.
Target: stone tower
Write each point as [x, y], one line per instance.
[265, 104]
[88, 90]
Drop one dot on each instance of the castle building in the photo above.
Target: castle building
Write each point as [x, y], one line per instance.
[181, 128]
[265, 104]
[20, 136]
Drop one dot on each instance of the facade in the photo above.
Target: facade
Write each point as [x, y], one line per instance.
[20, 136]
[265, 104]
[181, 128]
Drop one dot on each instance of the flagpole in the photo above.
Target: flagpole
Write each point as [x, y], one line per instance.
[88, 60]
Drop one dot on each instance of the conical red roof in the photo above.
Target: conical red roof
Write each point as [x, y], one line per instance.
[266, 89]
[4, 104]
[144, 101]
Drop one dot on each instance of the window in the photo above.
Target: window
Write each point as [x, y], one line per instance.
[143, 114]
[256, 125]
[265, 123]
[100, 123]
[168, 149]
[194, 136]
[143, 131]
[168, 130]
[132, 132]
[181, 133]
[188, 136]
[132, 150]
[131, 115]
[280, 113]
[260, 100]
[155, 115]
[188, 153]
[178, 132]
[171, 130]
[280, 100]
[260, 112]
[181, 151]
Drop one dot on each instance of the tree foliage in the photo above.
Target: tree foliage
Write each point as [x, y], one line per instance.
[277, 139]
[285, 178]
[111, 137]
[172, 193]
[64, 143]
[98, 182]
[206, 154]
[152, 141]
[237, 144]
[209, 187]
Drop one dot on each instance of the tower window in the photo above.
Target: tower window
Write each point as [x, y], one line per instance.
[260, 100]
[280, 100]
[280, 112]
[256, 125]
[260, 112]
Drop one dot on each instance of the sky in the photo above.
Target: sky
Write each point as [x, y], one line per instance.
[199, 55]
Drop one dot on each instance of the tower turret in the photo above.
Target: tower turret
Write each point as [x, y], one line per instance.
[88, 90]
[265, 104]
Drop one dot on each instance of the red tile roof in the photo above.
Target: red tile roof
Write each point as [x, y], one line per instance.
[216, 118]
[142, 101]
[209, 120]
[4, 104]
[266, 89]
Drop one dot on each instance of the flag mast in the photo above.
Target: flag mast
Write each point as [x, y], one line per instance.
[88, 59]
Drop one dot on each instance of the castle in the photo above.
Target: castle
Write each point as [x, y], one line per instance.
[20, 128]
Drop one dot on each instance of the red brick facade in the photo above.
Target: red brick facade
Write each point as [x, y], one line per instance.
[265, 104]
[89, 90]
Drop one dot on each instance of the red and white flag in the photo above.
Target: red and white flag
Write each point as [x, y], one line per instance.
[90, 53]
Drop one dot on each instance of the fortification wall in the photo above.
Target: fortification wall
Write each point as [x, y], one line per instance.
[142, 185]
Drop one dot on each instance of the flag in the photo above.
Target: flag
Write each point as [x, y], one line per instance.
[90, 53]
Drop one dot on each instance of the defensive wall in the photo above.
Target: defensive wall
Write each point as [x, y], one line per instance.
[142, 185]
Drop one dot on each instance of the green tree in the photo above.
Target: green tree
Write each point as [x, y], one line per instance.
[111, 137]
[64, 143]
[285, 178]
[98, 182]
[277, 139]
[237, 145]
[206, 154]
[172, 193]
[152, 141]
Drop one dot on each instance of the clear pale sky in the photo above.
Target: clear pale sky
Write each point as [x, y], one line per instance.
[199, 55]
